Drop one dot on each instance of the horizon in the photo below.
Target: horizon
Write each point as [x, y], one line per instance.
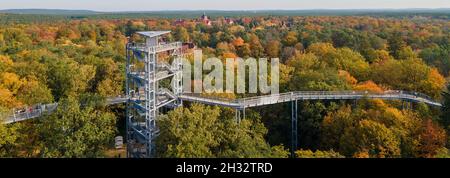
[229, 5]
[232, 10]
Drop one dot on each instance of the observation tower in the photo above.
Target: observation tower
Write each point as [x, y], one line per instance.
[148, 74]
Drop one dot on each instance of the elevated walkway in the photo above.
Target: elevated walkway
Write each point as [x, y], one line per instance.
[310, 95]
[252, 101]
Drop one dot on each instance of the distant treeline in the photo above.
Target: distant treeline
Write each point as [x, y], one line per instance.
[17, 16]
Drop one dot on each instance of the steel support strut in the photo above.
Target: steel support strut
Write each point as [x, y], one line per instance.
[238, 115]
[294, 118]
[127, 93]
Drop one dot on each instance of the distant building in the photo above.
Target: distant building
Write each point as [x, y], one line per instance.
[205, 20]
[180, 22]
[229, 21]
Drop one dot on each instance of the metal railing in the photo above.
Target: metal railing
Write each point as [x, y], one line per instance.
[311, 95]
[240, 103]
[154, 49]
[26, 113]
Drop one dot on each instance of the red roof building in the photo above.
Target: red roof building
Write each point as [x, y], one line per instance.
[205, 19]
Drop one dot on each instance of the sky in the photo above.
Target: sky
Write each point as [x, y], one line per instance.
[156, 5]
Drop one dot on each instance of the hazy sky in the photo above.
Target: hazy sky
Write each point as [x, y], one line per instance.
[150, 5]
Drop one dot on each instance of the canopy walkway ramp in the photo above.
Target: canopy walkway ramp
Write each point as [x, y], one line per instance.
[242, 103]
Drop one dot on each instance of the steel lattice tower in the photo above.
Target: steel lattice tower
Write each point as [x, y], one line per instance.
[145, 93]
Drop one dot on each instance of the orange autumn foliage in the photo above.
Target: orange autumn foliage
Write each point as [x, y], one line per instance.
[368, 86]
[227, 55]
[361, 154]
[238, 42]
[349, 78]
[431, 139]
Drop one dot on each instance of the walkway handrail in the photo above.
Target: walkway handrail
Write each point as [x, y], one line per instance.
[254, 101]
[154, 49]
[314, 95]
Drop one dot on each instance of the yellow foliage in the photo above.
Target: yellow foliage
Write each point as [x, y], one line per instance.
[373, 103]
[368, 86]
[321, 48]
[435, 80]
[390, 117]
[317, 154]
[11, 82]
[105, 88]
[304, 61]
[290, 39]
[286, 73]
[5, 63]
[7, 99]
[32, 92]
[230, 96]
[138, 23]
[236, 28]
[378, 103]
[382, 55]
[86, 73]
[5, 60]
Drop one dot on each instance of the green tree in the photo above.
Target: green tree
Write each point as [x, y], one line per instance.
[204, 131]
[244, 51]
[68, 78]
[311, 73]
[406, 53]
[273, 49]
[108, 78]
[257, 50]
[76, 130]
[445, 109]
[396, 43]
[341, 59]
[437, 56]
[372, 138]
[334, 126]
[32, 92]
[8, 136]
[181, 34]
[290, 39]
[5, 63]
[317, 154]
[410, 74]
[311, 115]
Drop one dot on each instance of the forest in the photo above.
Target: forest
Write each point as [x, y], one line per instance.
[79, 62]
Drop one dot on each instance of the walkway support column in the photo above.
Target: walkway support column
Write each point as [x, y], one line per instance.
[294, 136]
[406, 105]
[238, 116]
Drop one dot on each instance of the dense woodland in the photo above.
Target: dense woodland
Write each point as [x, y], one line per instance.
[80, 62]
